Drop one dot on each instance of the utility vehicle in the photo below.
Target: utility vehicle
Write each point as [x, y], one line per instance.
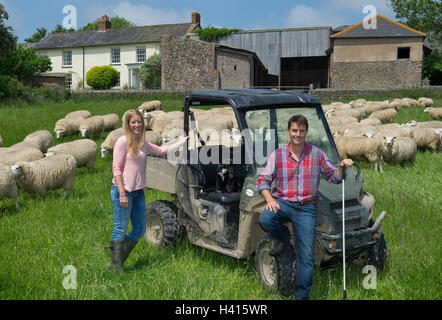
[228, 222]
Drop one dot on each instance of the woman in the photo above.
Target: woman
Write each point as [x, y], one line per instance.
[129, 185]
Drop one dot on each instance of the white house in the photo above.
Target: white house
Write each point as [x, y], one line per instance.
[125, 49]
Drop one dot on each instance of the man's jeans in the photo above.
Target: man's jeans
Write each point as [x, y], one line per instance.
[303, 219]
[136, 212]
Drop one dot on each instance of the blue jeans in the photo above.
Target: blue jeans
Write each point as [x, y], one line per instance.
[303, 219]
[136, 212]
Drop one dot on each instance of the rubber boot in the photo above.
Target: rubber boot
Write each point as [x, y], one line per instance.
[116, 252]
[128, 245]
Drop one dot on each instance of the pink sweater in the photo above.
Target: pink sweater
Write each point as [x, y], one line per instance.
[133, 168]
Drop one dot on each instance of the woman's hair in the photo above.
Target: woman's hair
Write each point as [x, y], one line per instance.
[298, 119]
[134, 142]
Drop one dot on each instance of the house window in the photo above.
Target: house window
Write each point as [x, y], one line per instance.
[115, 55]
[67, 58]
[403, 53]
[68, 81]
[141, 54]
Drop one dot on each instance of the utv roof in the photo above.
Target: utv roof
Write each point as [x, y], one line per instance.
[245, 98]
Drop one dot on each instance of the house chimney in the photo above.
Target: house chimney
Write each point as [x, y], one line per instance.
[104, 23]
[196, 18]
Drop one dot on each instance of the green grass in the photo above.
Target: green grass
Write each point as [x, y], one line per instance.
[38, 241]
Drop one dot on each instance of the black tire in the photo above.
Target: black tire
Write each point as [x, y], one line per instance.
[276, 273]
[162, 225]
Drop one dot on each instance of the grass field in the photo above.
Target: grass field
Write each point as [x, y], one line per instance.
[44, 236]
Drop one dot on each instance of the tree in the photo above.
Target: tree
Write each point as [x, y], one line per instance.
[116, 22]
[150, 72]
[425, 16]
[7, 39]
[60, 28]
[37, 35]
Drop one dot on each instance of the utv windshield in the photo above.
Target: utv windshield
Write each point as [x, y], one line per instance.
[268, 131]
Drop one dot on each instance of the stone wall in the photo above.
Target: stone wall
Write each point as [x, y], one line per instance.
[381, 74]
[234, 69]
[187, 64]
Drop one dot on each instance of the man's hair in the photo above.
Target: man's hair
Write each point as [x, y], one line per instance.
[298, 119]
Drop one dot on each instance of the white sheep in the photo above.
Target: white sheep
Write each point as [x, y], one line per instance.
[427, 138]
[150, 106]
[67, 127]
[10, 156]
[367, 131]
[8, 186]
[370, 122]
[425, 102]
[46, 174]
[111, 121]
[78, 114]
[1, 141]
[411, 102]
[360, 148]
[357, 103]
[397, 150]
[386, 115]
[435, 113]
[151, 117]
[92, 125]
[153, 137]
[40, 139]
[337, 121]
[398, 104]
[429, 124]
[108, 144]
[372, 106]
[84, 151]
[358, 113]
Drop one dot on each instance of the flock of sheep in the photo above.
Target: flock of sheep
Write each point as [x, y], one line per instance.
[363, 130]
[37, 166]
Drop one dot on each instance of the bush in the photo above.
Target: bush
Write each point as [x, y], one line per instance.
[101, 78]
[212, 33]
[10, 87]
[150, 72]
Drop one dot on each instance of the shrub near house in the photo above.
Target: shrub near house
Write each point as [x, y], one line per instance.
[101, 78]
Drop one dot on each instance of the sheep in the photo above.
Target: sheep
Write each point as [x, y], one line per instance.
[398, 104]
[78, 114]
[367, 131]
[386, 115]
[370, 122]
[40, 139]
[372, 106]
[55, 172]
[67, 127]
[435, 113]
[108, 144]
[397, 150]
[336, 121]
[111, 122]
[161, 124]
[357, 103]
[84, 151]
[10, 156]
[411, 102]
[398, 132]
[89, 126]
[354, 113]
[427, 138]
[149, 106]
[151, 117]
[360, 148]
[327, 107]
[153, 137]
[8, 186]
[341, 106]
[1, 141]
[425, 102]
[429, 124]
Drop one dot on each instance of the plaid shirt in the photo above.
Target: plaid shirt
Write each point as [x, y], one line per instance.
[297, 181]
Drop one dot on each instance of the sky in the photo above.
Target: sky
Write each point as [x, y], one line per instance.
[25, 16]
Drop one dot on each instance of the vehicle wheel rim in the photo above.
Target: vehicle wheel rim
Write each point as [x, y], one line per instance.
[268, 268]
[154, 230]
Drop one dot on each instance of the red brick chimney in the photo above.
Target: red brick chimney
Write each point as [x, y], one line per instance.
[196, 18]
[104, 23]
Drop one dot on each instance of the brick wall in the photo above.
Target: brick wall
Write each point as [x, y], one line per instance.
[234, 69]
[382, 74]
[187, 64]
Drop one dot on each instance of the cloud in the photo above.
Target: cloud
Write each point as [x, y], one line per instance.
[335, 13]
[140, 14]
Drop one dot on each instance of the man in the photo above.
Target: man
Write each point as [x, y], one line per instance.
[297, 168]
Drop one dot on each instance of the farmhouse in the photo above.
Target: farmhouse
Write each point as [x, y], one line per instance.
[125, 49]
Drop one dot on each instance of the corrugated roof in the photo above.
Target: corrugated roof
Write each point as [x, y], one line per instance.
[112, 36]
[384, 28]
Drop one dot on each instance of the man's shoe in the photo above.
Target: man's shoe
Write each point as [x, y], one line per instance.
[276, 248]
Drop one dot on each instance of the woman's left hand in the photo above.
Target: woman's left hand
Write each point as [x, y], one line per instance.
[346, 163]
